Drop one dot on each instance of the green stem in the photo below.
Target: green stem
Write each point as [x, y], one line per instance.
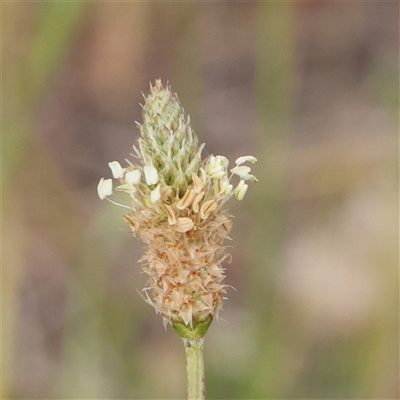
[195, 368]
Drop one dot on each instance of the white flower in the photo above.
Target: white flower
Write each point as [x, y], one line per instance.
[116, 169]
[133, 177]
[105, 188]
[150, 174]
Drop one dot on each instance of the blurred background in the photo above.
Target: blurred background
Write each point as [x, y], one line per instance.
[309, 88]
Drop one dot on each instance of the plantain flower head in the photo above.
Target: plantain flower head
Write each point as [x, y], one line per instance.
[177, 209]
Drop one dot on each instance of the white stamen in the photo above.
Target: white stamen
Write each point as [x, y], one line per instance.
[155, 194]
[228, 190]
[240, 185]
[243, 173]
[150, 174]
[133, 177]
[221, 160]
[240, 171]
[216, 165]
[116, 169]
[223, 185]
[105, 188]
[240, 193]
[218, 175]
[211, 164]
[244, 159]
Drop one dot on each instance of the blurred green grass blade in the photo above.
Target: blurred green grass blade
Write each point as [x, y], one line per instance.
[274, 83]
[56, 27]
[26, 80]
[274, 109]
[275, 66]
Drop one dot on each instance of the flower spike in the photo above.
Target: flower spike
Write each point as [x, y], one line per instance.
[177, 209]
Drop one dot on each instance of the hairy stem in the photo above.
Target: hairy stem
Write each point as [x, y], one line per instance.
[195, 368]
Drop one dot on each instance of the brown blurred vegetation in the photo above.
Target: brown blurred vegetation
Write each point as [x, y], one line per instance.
[311, 89]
